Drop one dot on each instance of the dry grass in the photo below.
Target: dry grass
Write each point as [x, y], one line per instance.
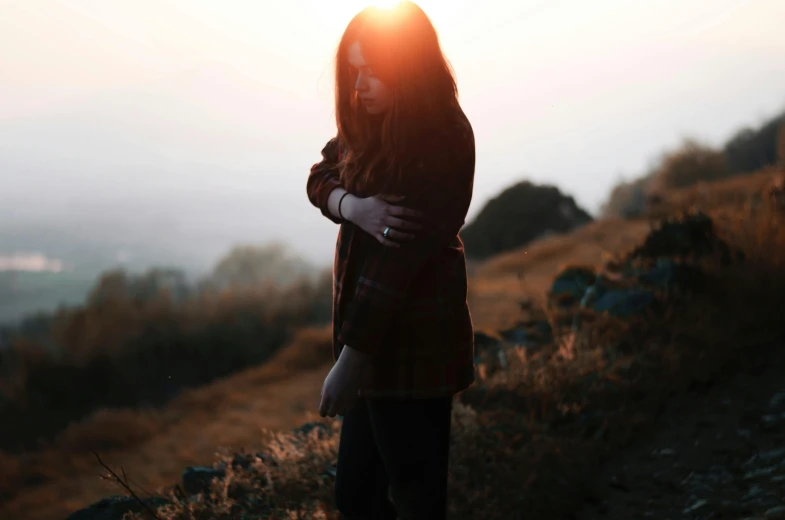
[526, 439]
[500, 283]
[155, 445]
[729, 195]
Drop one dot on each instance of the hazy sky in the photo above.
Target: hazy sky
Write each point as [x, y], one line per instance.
[200, 118]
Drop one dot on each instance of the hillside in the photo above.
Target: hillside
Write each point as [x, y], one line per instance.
[155, 445]
[542, 419]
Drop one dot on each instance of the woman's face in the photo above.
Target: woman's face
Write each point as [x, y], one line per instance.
[374, 95]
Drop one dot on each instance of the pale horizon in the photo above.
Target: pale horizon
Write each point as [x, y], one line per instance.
[178, 128]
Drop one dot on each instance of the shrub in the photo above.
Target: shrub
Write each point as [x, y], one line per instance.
[520, 214]
[751, 149]
[122, 350]
[248, 265]
[689, 164]
[627, 199]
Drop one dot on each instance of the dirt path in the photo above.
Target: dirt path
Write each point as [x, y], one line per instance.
[715, 453]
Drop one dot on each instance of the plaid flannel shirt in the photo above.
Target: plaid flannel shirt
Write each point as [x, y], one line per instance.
[407, 307]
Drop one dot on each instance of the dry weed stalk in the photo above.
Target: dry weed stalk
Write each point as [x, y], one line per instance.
[123, 481]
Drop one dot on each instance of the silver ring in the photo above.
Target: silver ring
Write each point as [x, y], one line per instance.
[386, 231]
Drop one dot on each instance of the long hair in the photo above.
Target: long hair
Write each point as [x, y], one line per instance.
[402, 47]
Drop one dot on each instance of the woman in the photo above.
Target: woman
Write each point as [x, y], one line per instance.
[402, 332]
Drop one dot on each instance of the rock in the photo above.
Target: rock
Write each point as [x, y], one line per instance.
[772, 454]
[502, 359]
[515, 335]
[624, 302]
[697, 507]
[770, 421]
[760, 472]
[483, 341]
[573, 282]
[490, 352]
[114, 507]
[666, 452]
[581, 285]
[245, 461]
[753, 493]
[720, 475]
[197, 479]
[305, 429]
[777, 400]
[487, 350]
[531, 334]
[330, 469]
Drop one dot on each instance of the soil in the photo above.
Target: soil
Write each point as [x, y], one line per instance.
[716, 452]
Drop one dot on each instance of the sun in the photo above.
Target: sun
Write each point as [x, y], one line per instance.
[385, 4]
[441, 12]
[357, 5]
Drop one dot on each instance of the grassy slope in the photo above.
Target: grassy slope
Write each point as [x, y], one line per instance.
[283, 393]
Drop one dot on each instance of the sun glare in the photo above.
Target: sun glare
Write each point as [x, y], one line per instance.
[385, 4]
[435, 9]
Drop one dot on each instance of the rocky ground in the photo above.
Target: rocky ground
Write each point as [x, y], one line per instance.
[717, 452]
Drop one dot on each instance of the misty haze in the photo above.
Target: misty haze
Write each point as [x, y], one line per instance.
[131, 143]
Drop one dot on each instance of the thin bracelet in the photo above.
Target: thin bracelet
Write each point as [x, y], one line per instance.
[339, 205]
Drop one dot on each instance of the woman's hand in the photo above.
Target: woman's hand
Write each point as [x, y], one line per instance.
[375, 214]
[340, 388]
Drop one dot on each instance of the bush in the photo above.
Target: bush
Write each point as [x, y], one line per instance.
[689, 164]
[248, 265]
[520, 214]
[627, 199]
[750, 149]
[122, 350]
[118, 285]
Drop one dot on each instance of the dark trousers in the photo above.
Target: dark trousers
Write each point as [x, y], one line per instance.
[398, 444]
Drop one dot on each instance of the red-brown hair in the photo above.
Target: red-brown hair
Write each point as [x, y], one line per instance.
[402, 48]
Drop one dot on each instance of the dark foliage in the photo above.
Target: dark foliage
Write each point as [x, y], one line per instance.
[520, 214]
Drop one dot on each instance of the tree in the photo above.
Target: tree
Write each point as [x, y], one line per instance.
[117, 285]
[249, 265]
[111, 286]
